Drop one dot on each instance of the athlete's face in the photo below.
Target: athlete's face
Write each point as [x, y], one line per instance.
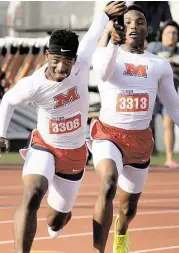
[59, 67]
[135, 28]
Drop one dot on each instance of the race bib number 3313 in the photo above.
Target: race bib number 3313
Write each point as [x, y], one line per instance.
[133, 102]
[66, 125]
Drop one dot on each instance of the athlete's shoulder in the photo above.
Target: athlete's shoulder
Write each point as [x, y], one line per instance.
[161, 64]
[156, 58]
[27, 80]
[24, 85]
[32, 82]
[80, 64]
[38, 76]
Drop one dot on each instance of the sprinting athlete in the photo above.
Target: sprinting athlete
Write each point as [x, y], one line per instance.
[56, 155]
[122, 143]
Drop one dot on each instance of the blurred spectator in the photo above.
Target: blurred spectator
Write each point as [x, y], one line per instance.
[157, 12]
[167, 47]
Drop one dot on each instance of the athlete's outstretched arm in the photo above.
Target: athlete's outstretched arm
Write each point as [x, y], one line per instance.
[104, 61]
[168, 94]
[21, 92]
[106, 36]
[89, 42]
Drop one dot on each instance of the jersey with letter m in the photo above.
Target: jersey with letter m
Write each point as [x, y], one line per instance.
[62, 107]
[128, 96]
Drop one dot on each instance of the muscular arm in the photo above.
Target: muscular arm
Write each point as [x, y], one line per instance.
[20, 93]
[104, 61]
[89, 42]
[168, 94]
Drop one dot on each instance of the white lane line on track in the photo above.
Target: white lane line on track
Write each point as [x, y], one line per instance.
[90, 233]
[76, 217]
[4, 187]
[91, 204]
[91, 194]
[156, 249]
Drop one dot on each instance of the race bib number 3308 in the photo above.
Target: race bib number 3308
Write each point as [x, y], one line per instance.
[65, 125]
[135, 102]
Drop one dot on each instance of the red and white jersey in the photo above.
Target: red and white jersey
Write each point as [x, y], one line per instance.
[62, 107]
[129, 84]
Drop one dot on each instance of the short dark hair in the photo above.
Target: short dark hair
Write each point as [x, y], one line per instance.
[165, 24]
[135, 7]
[64, 37]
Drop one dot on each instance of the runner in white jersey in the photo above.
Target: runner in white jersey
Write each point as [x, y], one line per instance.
[130, 79]
[56, 155]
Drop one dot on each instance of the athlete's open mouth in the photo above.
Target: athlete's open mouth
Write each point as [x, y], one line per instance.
[133, 35]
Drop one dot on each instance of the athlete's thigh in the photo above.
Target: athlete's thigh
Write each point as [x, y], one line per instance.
[39, 162]
[132, 179]
[62, 193]
[103, 150]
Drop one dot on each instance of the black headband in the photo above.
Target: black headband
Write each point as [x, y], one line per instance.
[62, 50]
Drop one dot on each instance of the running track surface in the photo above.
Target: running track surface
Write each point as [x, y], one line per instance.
[155, 228]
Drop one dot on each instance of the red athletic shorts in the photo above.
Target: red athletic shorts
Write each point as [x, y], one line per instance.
[67, 161]
[136, 146]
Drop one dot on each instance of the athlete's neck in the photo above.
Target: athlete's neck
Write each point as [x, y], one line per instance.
[48, 75]
[135, 50]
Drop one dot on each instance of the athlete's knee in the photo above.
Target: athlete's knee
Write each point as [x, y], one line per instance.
[58, 220]
[32, 198]
[109, 186]
[35, 187]
[129, 209]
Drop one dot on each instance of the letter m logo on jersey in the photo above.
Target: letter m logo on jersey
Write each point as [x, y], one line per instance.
[138, 71]
[67, 98]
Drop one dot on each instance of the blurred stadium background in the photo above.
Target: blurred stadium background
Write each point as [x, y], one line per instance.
[25, 27]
